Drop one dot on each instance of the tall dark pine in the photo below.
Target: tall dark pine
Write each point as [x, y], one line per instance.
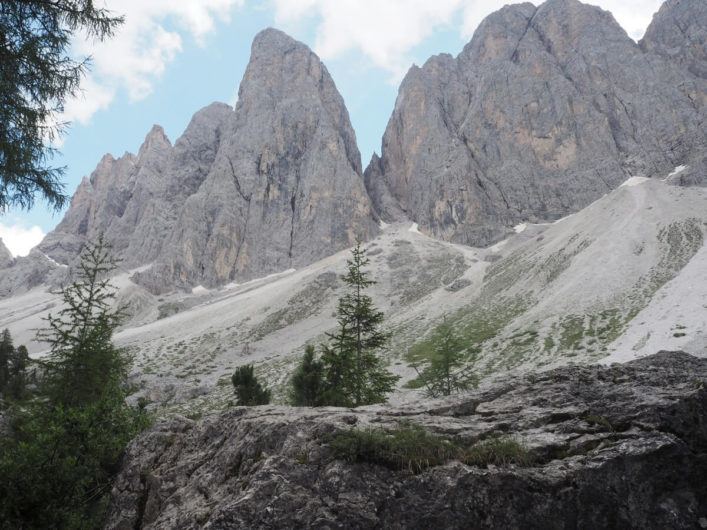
[248, 390]
[36, 77]
[57, 466]
[355, 375]
[307, 381]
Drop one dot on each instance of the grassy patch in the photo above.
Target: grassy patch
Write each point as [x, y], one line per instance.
[411, 448]
[476, 325]
[168, 309]
[302, 305]
[414, 383]
[415, 276]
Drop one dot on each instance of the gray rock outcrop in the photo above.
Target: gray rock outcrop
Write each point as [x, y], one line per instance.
[135, 200]
[613, 447]
[5, 255]
[678, 32]
[544, 111]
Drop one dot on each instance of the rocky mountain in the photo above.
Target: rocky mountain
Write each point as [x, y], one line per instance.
[621, 279]
[679, 33]
[285, 187]
[544, 111]
[275, 184]
[5, 255]
[617, 447]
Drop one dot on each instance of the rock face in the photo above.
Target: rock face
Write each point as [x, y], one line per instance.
[678, 32]
[125, 199]
[5, 255]
[275, 184]
[544, 111]
[285, 187]
[619, 447]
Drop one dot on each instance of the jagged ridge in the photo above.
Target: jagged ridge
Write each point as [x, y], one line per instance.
[545, 110]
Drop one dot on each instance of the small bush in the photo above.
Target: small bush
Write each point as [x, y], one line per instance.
[248, 390]
[498, 451]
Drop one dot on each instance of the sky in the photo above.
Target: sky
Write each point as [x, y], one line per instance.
[171, 58]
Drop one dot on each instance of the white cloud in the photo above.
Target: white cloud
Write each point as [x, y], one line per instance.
[385, 31]
[18, 238]
[143, 46]
[92, 98]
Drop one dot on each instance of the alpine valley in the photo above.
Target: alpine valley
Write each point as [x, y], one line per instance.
[544, 192]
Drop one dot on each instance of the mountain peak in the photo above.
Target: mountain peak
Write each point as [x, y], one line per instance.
[539, 98]
[678, 32]
[271, 38]
[156, 140]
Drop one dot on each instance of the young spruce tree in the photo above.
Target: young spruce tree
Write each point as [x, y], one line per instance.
[7, 350]
[57, 464]
[354, 374]
[306, 389]
[447, 372]
[248, 390]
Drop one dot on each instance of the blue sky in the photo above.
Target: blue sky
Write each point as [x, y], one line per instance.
[173, 57]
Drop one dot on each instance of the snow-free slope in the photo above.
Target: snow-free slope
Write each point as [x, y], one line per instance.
[584, 288]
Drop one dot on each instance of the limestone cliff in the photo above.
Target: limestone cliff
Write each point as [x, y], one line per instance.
[678, 32]
[285, 187]
[544, 111]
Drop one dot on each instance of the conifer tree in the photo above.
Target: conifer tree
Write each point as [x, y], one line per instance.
[248, 390]
[17, 380]
[83, 360]
[307, 381]
[447, 372]
[57, 466]
[37, 75]
[355, 375]
[6, 352]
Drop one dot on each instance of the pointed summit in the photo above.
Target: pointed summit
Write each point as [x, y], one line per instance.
[285, 187]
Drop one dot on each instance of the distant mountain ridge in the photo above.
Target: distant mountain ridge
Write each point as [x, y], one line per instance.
[544, 111]
[274, 184]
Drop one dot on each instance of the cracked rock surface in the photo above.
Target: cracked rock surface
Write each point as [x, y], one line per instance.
[614, 447]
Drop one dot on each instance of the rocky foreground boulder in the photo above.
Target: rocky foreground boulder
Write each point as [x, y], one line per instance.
[603, 447]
